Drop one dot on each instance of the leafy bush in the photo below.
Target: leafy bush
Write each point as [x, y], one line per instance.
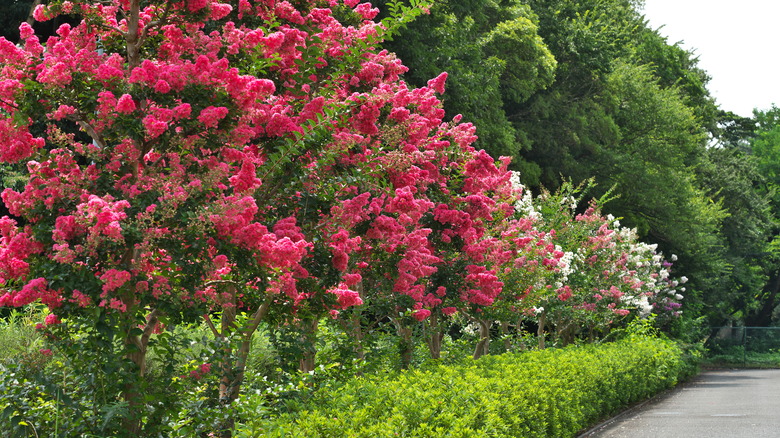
[547, 393]
[68, 389]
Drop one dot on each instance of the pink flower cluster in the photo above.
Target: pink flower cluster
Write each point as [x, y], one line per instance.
[113, 279]
[102, 216]
[35, 290]
[16, 142]
[15, 247]
[346, 297]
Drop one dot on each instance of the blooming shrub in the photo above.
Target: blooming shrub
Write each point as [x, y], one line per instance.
[583, 273]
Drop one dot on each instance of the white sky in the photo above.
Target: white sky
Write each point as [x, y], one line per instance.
[737, 42]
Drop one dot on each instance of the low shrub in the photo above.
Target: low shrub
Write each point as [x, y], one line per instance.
[547, 393]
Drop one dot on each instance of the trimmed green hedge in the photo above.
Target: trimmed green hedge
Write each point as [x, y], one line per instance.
[549, 393]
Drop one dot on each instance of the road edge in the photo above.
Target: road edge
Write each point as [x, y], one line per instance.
[632, 409]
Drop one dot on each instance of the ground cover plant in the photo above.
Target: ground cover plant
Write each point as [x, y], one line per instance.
[196, 171]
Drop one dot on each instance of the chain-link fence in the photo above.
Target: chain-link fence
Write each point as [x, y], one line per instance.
[747, 346]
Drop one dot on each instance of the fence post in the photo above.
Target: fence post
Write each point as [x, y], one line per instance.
[744, 346]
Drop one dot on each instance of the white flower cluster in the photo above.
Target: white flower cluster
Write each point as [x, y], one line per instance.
[642, 303]
[627, 234]
[471, 329]
[643, 254]
[525, 205]
[604, 265]
[570, 202]
[616, 223]
[566, 264]
[514, 180]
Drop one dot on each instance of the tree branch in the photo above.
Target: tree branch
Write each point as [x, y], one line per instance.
[99, 141]
[258, 316]
[133, 43]
[30, 18]
[151, 323]
[213, 282]
[12, 105]
[214, 330]
[107, 27]
[154, 24]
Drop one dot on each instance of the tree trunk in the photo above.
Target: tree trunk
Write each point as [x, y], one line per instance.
[483, 346]
[309, 342]
[567, 334]
[132, 37]
[769, 299]
[405, 344]
[139, 346]
[30, 19]
[435, 337]
[233, 367]
[540, 330]
[505, 334]
[356, 322]
[519, 328]
[233, 376]
[356, 327]
[226, 382]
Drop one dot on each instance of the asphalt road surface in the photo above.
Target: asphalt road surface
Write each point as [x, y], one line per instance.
[716, 404]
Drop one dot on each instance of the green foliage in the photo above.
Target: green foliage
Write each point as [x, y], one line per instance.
[652, 165]
[732, 178]
[751, 347]
[77, 391]
[399, 15]
[678, 68]
[18, 335]
[736, 357]
[491, 51]
[765, 146]
[530, 67]
[549, 393]
[743, 170]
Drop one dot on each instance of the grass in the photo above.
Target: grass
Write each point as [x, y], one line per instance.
[749, 359]
[18, 335]
[752, 355]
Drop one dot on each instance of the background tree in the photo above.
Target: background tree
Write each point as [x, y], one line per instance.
[494, 56]
[761, 138]
[731, 177]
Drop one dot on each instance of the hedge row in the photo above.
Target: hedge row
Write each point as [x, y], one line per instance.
[549, 393]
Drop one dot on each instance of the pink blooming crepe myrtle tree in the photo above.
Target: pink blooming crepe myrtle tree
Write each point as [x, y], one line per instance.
[200, 158]
[427, 252]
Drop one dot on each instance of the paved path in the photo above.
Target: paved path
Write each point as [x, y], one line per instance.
[716, 404]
